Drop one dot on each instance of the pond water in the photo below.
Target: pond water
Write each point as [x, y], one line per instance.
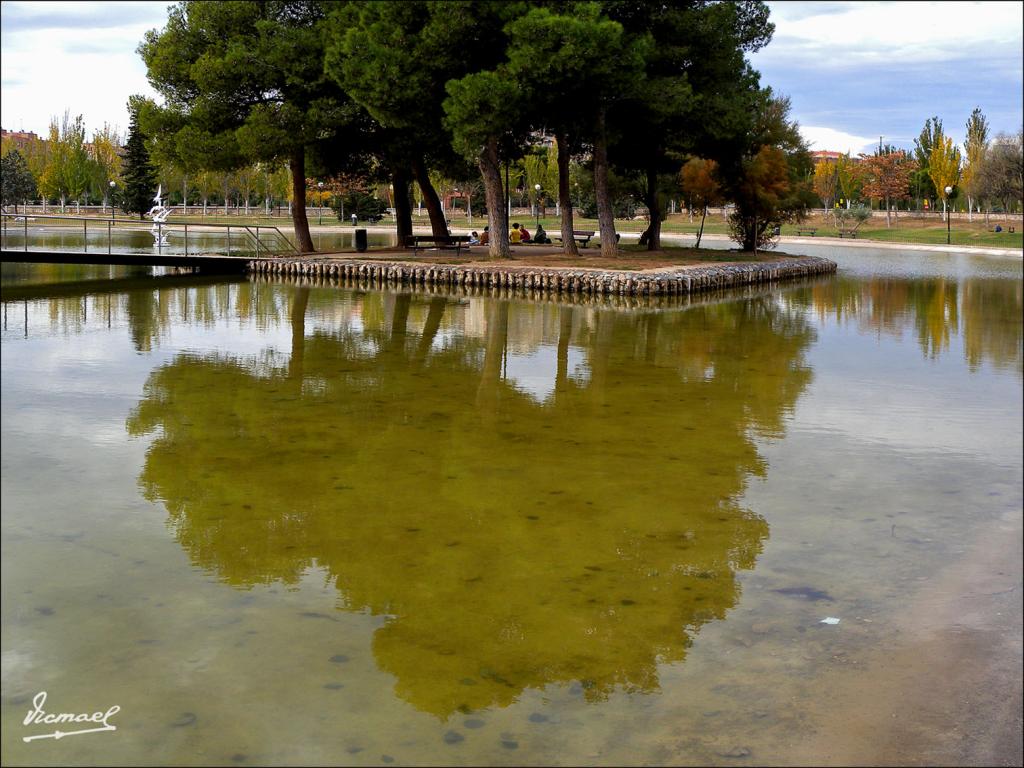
[275, 523]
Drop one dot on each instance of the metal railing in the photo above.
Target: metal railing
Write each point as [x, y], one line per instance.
[257, 241]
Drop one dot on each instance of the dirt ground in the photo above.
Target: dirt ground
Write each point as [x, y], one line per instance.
[630, 258]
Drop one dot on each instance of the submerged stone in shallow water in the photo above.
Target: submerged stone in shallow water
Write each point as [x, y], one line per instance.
[808, 593]
[736, 752]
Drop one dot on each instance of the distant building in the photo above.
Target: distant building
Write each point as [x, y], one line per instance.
[825, 154]
[20, 139]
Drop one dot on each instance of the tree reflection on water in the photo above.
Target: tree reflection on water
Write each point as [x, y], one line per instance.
[511, 541]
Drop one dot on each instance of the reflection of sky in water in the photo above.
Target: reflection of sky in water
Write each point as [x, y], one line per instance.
[535, 373]
[896, 402]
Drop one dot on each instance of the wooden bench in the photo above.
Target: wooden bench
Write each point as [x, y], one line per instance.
[851, 235]
[423, 242]
[581, 236]
[806, 230]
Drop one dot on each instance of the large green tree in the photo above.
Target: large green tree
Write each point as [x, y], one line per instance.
[17, 184]
[395, 59]
[138, 170]
[975, 144]
[482, 113]
[576, 67]
[921, 181]
[768, 180]
[244, 82]
[694, 98]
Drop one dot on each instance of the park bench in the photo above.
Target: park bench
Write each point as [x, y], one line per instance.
[806, 231]
[851, 235]
[580, 236]
[423, 242]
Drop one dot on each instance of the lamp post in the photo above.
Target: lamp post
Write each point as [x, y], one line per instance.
[949, 191]
[113, 210]
[320, 207]
[536, 188]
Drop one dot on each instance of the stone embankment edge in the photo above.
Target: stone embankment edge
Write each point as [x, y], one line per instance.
[679, 281]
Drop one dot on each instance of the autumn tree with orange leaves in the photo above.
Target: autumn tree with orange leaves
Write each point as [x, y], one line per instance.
[887, 177]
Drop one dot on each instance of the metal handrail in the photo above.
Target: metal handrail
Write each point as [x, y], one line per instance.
[283, 244]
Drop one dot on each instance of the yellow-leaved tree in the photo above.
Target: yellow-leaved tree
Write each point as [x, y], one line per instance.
[106, 147]
[849, 177]
[944, 168]
[826, 180]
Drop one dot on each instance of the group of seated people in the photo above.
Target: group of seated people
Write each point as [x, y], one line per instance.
[518, 235]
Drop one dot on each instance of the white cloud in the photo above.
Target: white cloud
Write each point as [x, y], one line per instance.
[856, 70]
[896, 34]
[75, 56]
[830, 139]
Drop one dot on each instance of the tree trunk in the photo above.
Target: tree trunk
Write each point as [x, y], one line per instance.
[700, 233]
[300, 301]
[430, 328]
[438, 225]
[564, 335]
[299, 220]
[564, 200]
[496, 340]
[403, 205]
[651, 338]
[652, 235]
[888, 213]
[399, 321]
[605, 215]
[497, 216]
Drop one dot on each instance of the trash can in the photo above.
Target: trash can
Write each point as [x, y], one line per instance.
[354, 219]
[360, 240]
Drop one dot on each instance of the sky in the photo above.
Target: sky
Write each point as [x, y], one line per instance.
[854, 71]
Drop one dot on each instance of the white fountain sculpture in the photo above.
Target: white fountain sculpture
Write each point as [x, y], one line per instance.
[159, 215]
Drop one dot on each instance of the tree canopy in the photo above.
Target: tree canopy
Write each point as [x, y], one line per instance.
[16, 181]
[245, 81]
